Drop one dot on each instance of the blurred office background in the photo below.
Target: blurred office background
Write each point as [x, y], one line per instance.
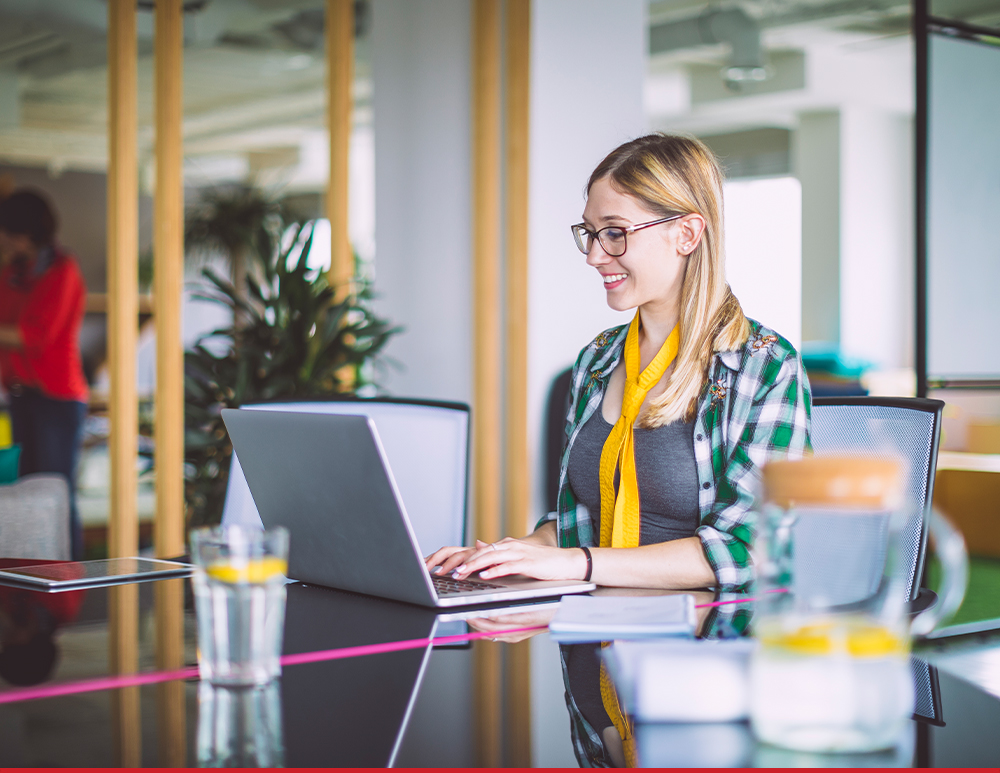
[809, 104]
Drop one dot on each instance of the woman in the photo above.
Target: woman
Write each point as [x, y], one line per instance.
[718, 395]
[42, 298]
[670, 419]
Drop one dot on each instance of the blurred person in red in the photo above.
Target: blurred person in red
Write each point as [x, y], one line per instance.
[42, 298]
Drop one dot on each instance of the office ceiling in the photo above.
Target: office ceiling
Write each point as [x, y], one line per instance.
[253, 79]
[254, 69]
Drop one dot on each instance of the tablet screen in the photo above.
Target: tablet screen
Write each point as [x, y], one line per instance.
[91, 573]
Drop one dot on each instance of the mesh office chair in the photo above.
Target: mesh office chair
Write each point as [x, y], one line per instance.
[850, 561]
[906, 428]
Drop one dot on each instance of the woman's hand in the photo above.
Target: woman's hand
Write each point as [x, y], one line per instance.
[444, 560]
[510, 556]
[518, 556]
[448, 560]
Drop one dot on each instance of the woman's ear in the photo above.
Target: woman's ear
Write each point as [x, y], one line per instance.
[689, 234]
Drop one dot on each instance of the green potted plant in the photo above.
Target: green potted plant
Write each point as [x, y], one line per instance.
[292, 337]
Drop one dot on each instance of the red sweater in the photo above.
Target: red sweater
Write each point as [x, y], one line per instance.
[48, 310]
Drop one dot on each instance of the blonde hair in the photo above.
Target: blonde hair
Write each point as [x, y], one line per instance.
[669, 175]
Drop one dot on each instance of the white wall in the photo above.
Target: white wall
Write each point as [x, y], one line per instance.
[421, 99]
[876, 235]
[586, 55]
[764, 251]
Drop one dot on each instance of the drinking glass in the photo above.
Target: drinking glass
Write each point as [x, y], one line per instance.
[239, 588]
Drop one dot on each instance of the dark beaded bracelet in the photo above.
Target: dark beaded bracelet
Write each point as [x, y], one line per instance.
[590, 563]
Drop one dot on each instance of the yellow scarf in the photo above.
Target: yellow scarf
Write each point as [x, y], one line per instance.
[620, 514]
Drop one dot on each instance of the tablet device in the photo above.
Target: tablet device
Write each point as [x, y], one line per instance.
[72, 575]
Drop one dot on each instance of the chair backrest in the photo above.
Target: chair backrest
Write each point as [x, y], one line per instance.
[555, 430]
[905, 428]
[34, 518]
[427, 445]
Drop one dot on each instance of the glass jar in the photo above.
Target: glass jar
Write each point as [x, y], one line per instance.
[831, 672]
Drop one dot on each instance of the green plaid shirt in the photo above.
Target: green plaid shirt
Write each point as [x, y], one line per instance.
[754, 407]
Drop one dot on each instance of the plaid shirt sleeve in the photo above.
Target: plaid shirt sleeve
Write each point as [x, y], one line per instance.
[755, 408]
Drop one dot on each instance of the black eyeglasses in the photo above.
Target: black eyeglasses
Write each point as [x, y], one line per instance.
[612, 238]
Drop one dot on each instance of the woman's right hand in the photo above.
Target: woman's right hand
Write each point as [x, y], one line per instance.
[445, 560]
[448, 559]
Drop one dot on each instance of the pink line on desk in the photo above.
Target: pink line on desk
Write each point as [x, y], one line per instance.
[395, 646]
[155, 677]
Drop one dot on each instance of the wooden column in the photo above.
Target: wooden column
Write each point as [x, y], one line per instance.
[486, 429]
[339, 106]
[517, 470]
[123, 230]
[168, 251]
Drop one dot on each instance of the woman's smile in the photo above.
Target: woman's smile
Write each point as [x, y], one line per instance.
[611, 281]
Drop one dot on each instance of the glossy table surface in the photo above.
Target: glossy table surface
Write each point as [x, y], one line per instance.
[410, 707]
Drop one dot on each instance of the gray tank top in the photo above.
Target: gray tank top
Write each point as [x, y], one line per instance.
[665, 472]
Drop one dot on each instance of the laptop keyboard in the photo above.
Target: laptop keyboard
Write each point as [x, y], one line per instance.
[449, 586]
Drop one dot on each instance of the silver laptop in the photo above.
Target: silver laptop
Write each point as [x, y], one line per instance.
[327, 480]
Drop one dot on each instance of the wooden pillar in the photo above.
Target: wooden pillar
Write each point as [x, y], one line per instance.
[339, 106]
[123, 294]
[168, 250]
[123, 231]
[517, 470]
[486, 429]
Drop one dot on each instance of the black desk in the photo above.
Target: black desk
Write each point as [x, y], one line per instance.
[413, 706]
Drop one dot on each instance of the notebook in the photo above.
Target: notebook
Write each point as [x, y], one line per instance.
[327, 480]
[604, 618]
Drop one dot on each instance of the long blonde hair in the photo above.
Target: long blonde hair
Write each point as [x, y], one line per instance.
[669, 175]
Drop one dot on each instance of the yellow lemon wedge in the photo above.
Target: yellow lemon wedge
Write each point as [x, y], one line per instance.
[874, 642]
[256, 570]
[857, 639]
[807, 640]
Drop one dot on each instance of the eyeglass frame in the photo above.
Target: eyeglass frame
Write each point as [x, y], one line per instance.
[625, 232]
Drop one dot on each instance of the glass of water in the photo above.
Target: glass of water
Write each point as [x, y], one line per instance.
[239, 588]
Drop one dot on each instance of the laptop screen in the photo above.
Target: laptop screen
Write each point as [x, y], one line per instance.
[427, 449]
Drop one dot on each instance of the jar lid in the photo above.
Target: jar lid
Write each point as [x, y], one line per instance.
[852, 481]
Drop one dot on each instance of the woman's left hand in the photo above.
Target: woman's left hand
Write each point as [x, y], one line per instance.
[521, 556]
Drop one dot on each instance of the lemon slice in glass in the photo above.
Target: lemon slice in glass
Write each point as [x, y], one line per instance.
[859, 640]
[256, 570]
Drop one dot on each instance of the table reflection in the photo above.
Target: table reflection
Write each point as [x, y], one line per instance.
[406, 702]
[353, 711]
[597, 721]
[29, 621]
[240, 727]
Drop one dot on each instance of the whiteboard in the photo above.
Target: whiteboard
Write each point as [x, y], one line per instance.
[963, 210]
